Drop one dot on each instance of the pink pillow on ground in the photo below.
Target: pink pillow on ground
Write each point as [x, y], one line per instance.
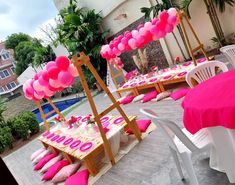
[53, 170]
[179, 93]
[41, 155]
[50, 163]
[142, 125]
[44, 160]
[36, 153]
[149, 96]
[127, 100]
[79, 178]
[65, 172]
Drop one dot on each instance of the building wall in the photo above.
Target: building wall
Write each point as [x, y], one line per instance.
[7, 65]
[200, 21]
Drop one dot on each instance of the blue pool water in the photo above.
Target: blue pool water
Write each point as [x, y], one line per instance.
[61, 105]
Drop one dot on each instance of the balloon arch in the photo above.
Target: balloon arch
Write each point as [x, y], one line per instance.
[145, 33]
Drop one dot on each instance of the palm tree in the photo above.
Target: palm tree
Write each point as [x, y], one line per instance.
[210, 5]
[165, 5]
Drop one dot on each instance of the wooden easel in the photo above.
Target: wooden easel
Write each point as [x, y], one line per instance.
[85, 60]
[114, 77]
[200, 47]
[44, 116]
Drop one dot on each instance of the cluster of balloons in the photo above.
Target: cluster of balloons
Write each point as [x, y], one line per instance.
[154, 30]
[55, 76]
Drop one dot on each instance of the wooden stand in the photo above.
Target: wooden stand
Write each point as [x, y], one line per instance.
[114, 77]
[44, 116]
[85, 60]
[200, 47]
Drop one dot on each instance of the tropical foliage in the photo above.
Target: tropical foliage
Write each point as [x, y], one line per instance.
[78, 29]
[28, 51]
[220, 4]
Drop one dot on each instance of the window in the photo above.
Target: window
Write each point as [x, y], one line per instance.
[4, 73]
[1, 89]
[5, 56]
[11, 85]
[13, 69]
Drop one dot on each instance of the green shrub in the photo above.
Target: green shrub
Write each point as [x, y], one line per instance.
[5, 138]
[20, 129]
[30, 119]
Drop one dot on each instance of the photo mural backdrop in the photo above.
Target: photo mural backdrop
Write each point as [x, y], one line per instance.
[155, 54]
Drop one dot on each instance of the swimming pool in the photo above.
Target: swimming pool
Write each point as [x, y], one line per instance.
[61, 105]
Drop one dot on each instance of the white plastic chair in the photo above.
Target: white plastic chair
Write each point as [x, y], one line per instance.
[229, 52]
[182, 144]
[204, 71]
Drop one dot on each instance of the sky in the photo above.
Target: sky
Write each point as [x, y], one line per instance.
[25, 16]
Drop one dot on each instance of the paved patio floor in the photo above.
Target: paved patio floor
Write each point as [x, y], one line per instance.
[149, 163]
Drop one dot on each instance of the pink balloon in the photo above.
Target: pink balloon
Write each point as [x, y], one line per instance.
[140, 26]
[45, 75]
[54, 83]
[42, 81]
[148, 37]
[73, 70]
[121, 47]
[161, 25]
[172, 20]
[142, 31]
[161, 34]
[140, 40]
[127, 48]
[126, 32]
[53, 72]
[48, 92]
[28, 83]
[50, 64]
[132, 43]
[128, 36]
[29, 90]
[164, 16]
[37, 96]
[53, 89]
[27, 96]
[65, 78]
[172, 12]
[169, 28]
[135, 33]
[35, 77]
[154, 21]
[124, 40]
[155, 38]
[37, 86]
[147, 25]
[62, 62]
[154, 30]
[116, 51]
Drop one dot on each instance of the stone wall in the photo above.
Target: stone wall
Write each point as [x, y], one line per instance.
[155, 54]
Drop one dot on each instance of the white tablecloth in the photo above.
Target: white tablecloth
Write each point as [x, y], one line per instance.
[223, 153]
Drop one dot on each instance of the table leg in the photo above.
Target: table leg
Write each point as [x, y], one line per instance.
[161, 87]
[90, 165]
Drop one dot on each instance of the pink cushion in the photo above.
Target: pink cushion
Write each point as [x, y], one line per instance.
[36, 153]
[79, 178]
[127, 100]
[50, 163]
[40, 156]
[65, 172]
[54, 169]
[149, 96]
[44, 160]
[142, 125]
[179, 93]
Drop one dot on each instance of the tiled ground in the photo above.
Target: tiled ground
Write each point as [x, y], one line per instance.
[149, 163]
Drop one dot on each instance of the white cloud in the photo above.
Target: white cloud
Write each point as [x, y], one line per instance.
[24, 15]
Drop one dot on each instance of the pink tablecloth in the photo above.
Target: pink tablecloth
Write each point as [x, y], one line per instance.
[211, 103]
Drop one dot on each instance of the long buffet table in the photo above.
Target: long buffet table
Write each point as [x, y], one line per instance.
[81, 142]
[158, 79]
